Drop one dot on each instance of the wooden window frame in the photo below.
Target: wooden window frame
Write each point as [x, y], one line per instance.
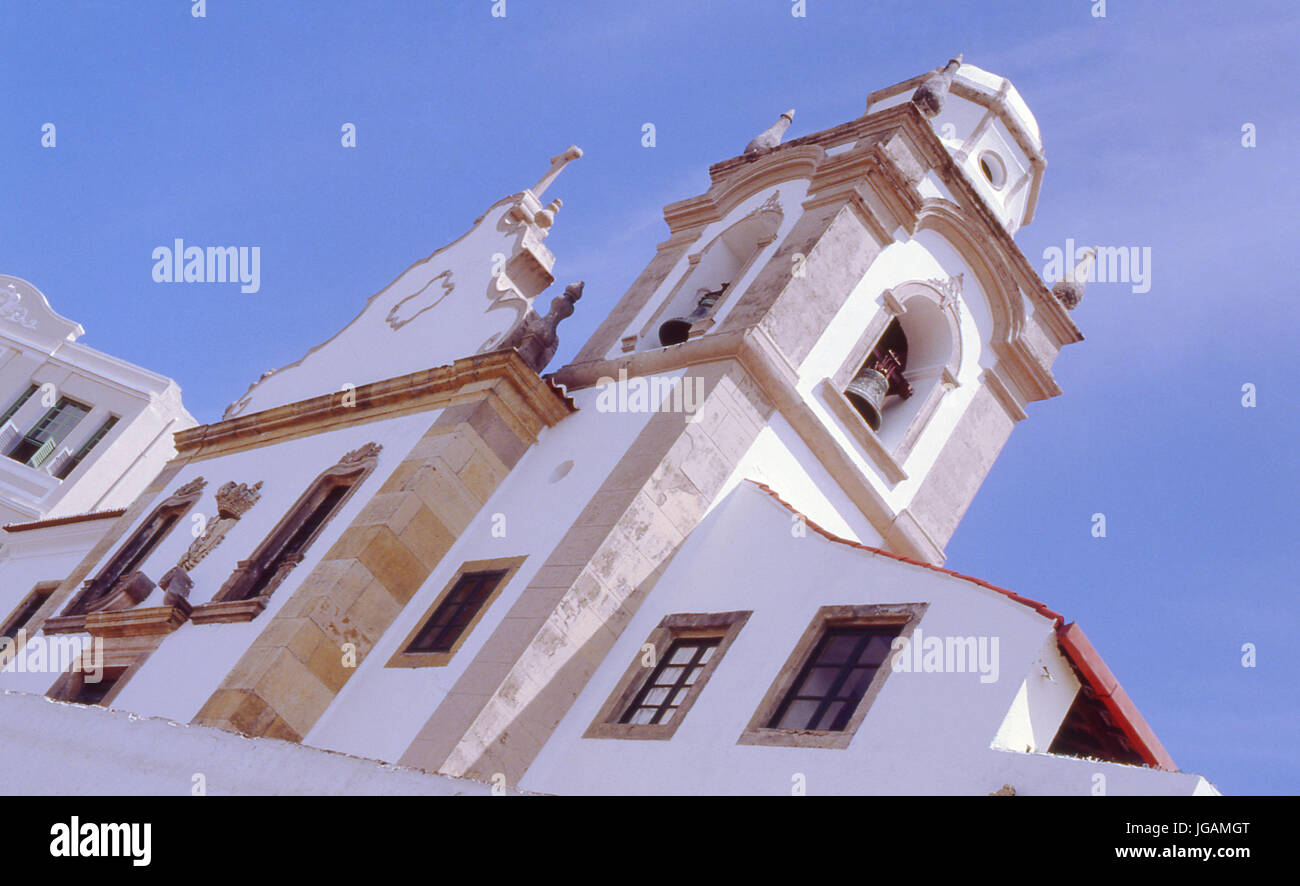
[404, 659]
[904, 615]
[725, 626]
[232, 602]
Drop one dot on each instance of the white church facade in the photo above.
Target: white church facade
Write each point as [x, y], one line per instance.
[704, 556]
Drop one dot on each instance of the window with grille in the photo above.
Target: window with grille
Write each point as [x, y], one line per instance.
[822, 694]
[38, 444]
[671, 683]
[836, 676]
[668, 676]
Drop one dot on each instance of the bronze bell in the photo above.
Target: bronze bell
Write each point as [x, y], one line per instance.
[867, 394]
[678, 330]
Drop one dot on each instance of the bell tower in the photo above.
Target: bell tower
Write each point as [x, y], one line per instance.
[865, 279]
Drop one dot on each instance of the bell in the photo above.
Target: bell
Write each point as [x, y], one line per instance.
[867, 394]
[678, 330]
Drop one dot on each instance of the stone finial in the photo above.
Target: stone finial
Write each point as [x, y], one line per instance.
[536, 339]
[1069, 290]
[771, 137]
[546, 217]
[558, 162]
[929, 96]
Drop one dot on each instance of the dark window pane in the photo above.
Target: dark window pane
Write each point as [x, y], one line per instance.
[455, 612]
[835, 677]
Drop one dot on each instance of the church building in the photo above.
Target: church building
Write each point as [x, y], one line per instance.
[706, 556]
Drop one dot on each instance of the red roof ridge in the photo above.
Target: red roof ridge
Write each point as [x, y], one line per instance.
[1040, 608]
[63, 521]
[1070, 637]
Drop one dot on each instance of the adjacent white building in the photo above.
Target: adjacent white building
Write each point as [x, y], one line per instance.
[704, 556]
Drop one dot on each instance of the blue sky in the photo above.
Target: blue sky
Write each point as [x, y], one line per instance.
[225, 130]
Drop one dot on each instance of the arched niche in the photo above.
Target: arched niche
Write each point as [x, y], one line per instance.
[713, 274]
[922, 324]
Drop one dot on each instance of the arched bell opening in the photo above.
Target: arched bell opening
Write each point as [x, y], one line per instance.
[712, 276]
[881, 376]
[898, 385]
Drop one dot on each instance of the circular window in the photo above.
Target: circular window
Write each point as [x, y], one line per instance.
[993, 169]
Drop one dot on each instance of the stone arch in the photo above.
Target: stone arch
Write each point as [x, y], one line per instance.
[1003, 295]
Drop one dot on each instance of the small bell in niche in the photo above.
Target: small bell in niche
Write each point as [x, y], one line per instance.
[678, 330]
[880, 376]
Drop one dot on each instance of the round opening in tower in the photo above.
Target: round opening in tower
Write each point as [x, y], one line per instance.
[994, 171]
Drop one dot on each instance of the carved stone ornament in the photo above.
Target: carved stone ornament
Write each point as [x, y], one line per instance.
[233, 501]
[370, 450]
[12, 310]
[418, 302]
[193, 487]
[949, 290]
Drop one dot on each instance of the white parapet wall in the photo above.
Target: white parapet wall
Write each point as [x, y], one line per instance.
[55, 748]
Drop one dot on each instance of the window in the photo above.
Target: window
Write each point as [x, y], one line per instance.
[245, 593]
[456, 612]
[98, 592]
[27, 609]
[17, 404]
[38, 444]
[667, 676]
[822, 694]
[451, 618]
[81, 687]
[993, 169]
[836, 676]
[670, 684]
[69, 465]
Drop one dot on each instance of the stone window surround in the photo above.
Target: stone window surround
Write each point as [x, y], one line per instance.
[693, 260]
[891, 462]
[44, 589]
[122, 657]
[725, 625]
[403, 659]
[906, 615]
[355, 467]
[73, 618]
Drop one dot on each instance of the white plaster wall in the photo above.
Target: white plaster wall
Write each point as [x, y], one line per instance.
[380, 710]
[782, 461]
[53, 748]
[925, 732]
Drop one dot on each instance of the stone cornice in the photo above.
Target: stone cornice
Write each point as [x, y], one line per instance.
[503, 372]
